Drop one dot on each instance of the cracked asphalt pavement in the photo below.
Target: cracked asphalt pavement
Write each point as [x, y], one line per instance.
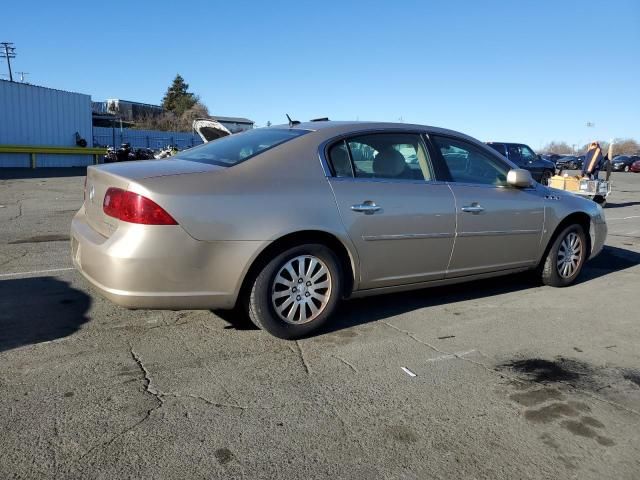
[502, 379]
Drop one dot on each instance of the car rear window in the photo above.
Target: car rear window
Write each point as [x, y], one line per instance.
[234, 149]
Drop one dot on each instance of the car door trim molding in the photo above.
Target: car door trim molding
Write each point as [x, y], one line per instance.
[406, 236]
[493, 233]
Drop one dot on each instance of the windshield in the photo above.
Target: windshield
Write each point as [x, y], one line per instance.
[231, 150]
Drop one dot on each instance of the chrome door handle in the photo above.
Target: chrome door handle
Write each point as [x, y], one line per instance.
[473, 209]
[368, 207]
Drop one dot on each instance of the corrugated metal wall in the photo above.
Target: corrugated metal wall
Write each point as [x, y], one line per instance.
[32, 115]
[104, 136]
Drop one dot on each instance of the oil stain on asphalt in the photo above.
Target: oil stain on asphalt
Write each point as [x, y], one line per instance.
[538, 390]
[223, 455]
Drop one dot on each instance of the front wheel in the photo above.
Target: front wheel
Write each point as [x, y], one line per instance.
[296, 292]
[626, 168]
[546, 176]
[565, 258]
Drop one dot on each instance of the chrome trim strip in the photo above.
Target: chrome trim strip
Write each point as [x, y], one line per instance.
[405, 236]
[385, 180]
[493, 233]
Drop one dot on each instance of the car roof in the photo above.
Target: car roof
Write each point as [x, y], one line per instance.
[507, 143]
[337, 128]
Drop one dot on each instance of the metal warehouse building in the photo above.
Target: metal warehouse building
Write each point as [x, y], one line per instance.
[33, 118]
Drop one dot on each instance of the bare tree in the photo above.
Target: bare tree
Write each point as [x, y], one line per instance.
[560, 148]
[625, 146]
[171, 121]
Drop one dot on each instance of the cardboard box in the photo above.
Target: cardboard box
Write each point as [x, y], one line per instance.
[571, 184]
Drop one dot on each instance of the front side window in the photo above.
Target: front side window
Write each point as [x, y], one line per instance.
[399, 156]
[528, 155]
[468, 163]
[231, 150]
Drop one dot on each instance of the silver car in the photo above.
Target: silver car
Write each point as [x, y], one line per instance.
[285, 221]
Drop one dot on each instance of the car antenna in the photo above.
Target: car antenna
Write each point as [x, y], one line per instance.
[292, 122]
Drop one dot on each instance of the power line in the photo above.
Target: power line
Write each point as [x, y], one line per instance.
[8, 53]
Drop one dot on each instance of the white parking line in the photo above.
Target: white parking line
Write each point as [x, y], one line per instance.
[34, 272]
[624, 218]
[450, 356]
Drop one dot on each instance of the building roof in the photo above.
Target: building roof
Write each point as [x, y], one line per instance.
[133, 103]
[232, 119]
[31, 85]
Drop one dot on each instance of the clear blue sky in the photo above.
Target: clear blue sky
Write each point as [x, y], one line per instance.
[531, 71]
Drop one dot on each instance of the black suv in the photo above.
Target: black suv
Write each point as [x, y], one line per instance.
[520, 154]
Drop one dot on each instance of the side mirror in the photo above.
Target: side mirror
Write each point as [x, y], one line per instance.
[519, 178]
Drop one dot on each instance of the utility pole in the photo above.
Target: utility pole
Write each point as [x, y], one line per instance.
[22, 74]
[9, 53]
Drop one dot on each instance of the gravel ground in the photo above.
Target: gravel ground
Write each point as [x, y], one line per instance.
[512, 380]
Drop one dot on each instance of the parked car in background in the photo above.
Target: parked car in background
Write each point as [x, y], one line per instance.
[283, 222]
[567, 162]
[580, 161]
[622, 163]
[635, 166]
[522, 155]
[551, 157]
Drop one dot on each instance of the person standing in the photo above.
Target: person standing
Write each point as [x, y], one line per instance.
[592, 161]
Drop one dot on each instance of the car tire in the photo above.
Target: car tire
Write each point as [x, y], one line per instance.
[571, 241]
[546, 176]
[296, 292]
[626, 168]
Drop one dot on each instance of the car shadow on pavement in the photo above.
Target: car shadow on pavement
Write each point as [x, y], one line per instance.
[370, 309]
[610, 260]
[25, 173]
[620, 205]
[39, 309]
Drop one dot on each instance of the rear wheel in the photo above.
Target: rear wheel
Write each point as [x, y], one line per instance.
[565, 258]
[626, 168]
[296, 292]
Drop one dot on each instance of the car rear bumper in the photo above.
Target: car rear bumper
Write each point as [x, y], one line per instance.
[146, 266]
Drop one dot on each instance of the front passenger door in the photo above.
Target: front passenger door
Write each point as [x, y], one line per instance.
[499, 227]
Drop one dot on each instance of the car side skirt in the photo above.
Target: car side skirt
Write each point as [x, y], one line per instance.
[437, 283]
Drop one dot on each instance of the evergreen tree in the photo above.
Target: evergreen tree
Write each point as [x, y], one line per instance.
[178, 99]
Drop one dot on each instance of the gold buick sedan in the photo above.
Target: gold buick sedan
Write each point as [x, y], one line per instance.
[285, 221]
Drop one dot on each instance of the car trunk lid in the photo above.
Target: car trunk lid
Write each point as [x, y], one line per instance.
[121, 175]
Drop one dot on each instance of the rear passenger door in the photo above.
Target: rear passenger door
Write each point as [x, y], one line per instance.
[499, 227]
[400, 219]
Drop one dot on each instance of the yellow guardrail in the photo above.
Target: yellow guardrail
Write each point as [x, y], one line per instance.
[34, 150]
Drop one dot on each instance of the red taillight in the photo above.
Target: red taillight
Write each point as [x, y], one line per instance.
[134, 208]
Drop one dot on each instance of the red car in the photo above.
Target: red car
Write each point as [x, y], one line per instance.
[635, 166]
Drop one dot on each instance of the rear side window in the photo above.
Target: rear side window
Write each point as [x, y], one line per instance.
[468, 163]
[498, 147]
[399, 156]
[234, 149]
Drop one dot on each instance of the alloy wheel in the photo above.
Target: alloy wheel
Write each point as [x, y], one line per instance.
[301, 289]
[569, 255]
